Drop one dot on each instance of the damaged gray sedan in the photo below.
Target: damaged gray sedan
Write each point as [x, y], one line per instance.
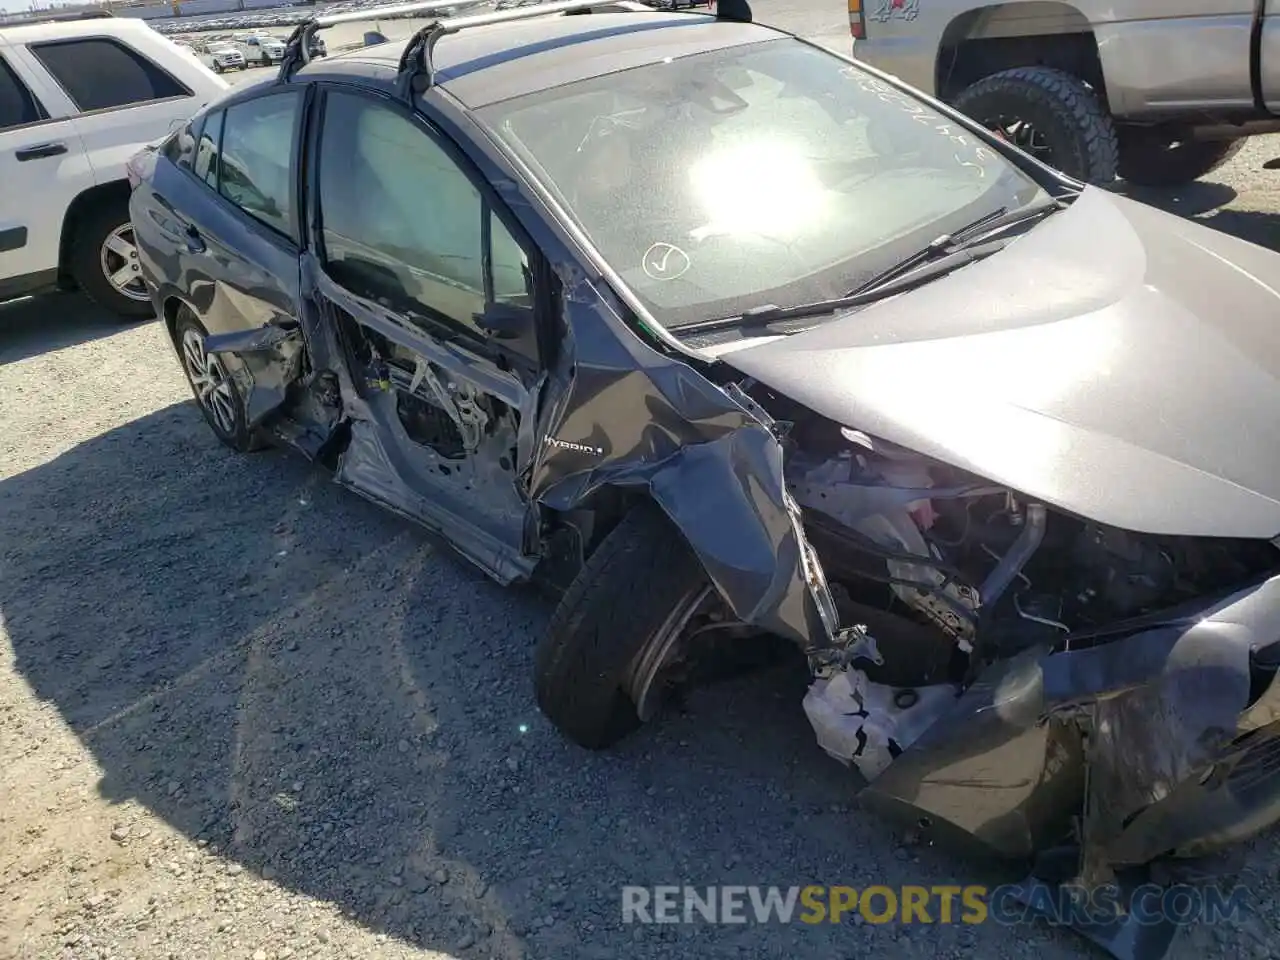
[721, 334]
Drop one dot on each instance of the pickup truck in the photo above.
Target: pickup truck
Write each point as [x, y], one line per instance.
[261, 49]
[1158, 92]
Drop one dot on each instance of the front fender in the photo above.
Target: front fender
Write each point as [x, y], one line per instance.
[617, 413]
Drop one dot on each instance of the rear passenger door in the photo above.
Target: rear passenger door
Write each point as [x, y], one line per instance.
[431, 288]
[233, 218]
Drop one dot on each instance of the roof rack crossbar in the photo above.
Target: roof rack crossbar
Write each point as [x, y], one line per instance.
[418, 72]
[416, 68]
[373, 13]
[297, 51]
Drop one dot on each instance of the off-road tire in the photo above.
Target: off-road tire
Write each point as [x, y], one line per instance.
[615, 606]
[1151, 160]
[84, 261]
[241, 439]
[1080, 133]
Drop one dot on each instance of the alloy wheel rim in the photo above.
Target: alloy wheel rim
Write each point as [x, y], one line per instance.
[1022, 134]
[647, 673]
[120, 265]
[210, 381]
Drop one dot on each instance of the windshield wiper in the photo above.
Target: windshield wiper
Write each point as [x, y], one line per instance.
[980, 229]
[772, 313]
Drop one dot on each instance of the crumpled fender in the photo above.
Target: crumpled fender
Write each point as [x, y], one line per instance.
[263, 361]
[621, 414]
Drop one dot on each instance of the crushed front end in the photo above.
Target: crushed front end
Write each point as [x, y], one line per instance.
[1038, 686]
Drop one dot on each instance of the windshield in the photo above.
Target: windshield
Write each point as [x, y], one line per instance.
[768, 173]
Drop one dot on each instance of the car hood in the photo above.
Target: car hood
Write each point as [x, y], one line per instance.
[1117, 362]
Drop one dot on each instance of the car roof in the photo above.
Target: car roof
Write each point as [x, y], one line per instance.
[484, 65]
[40, 30]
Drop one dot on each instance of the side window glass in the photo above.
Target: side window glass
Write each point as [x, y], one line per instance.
[206, 162]
[180, 148]
[512, 281]
[256, 158]
[98, 72]
[404, 225]
[18, 105]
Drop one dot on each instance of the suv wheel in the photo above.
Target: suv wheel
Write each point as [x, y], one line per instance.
[1052, 115]
[212, 385]
[1151, 158]
[605, 664]
[104, 262]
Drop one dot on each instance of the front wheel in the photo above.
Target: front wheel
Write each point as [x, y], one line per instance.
[1152, 159]
[619, 637]
[1052, 115]
[104, 261]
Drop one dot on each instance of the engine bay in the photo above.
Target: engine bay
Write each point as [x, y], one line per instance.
[949, 573]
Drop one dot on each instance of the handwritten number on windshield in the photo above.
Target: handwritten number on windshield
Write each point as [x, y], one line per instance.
[973, 154]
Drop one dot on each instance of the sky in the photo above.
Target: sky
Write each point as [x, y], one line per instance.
[9, 6]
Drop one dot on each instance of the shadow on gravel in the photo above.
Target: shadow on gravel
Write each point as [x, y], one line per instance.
[34, 325]
[1205, 202]
[296, 677]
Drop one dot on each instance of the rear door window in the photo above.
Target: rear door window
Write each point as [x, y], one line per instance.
[18, 105]
[99, 73]
[256, 158]
[180, 148]
[206, 162]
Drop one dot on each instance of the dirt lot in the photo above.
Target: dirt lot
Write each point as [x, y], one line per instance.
[244, 714]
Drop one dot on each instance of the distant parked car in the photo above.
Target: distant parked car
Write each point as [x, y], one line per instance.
[219, 57]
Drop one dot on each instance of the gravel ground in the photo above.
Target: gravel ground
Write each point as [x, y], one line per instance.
[244, 714]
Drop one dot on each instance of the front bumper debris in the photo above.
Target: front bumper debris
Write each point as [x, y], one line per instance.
[1156, 741]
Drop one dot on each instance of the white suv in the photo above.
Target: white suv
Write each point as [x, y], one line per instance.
[79, 95]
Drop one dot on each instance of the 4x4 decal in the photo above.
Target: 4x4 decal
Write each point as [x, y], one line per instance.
[896, 10]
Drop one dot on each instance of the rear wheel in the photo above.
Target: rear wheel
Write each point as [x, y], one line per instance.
[1052, 115]
[618, 640]
[212, 386]
[104, 261]
[1150, 158]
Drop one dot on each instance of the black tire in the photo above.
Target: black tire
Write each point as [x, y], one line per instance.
[239, 438]
[1152, 159]
[217, 68]
[615, 607]
[1079, 137]
[84, 260]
